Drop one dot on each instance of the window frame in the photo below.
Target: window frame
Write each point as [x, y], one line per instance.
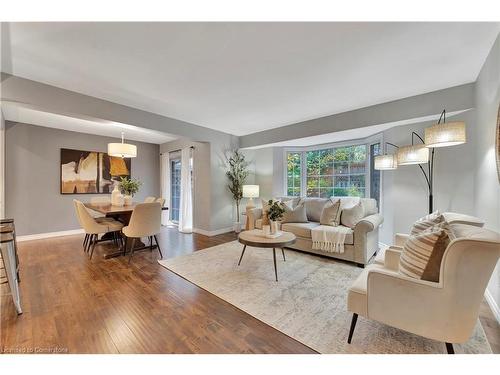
[368, 141]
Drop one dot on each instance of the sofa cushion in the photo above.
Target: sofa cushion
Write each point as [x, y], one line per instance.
[314, 207]
[295, 215]
[351, 216]
[331, 214]
[304, 230]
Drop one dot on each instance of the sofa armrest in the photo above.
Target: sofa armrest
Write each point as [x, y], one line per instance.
[369, 223]
[391, 258]
[253, 214]
[400, 239]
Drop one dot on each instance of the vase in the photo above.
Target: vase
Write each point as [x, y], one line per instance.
[274, 226]
[116, 197]
[128, 200]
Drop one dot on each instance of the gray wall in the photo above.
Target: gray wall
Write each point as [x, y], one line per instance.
[33, 175]
[487, 188]
[453, 99]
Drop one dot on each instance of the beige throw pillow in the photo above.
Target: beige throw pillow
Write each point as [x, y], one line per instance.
[295, 215]
[351, 216]
[331, 214]
[422, 254]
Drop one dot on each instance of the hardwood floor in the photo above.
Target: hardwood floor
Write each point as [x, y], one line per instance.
[73, 305]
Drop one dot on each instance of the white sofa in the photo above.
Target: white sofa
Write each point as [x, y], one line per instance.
[360, 244]
[446, 310]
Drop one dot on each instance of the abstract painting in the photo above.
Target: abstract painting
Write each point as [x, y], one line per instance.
[90, 172]
[111, 168]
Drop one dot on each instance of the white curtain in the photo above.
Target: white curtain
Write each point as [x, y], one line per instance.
[186, 203]
[165, 185]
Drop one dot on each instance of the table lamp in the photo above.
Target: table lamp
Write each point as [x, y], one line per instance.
[250, 191]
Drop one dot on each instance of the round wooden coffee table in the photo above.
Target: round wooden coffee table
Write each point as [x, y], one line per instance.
[251, 238]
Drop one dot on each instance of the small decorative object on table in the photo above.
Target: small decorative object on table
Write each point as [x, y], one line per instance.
[275, 214]
[117, 197]
[129, 188]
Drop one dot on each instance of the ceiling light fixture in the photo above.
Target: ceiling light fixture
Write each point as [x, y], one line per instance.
[122, 150]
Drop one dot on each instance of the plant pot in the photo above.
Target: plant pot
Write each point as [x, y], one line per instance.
[237, 227]
[127, 200]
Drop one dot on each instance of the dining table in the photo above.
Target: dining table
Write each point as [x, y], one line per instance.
[122, 214]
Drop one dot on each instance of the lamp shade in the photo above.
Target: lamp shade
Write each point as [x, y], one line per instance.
[417, 154]
[386, 162]
[122, 150]
[443, 135]
[250, 191]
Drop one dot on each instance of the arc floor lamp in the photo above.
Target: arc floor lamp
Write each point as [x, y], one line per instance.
[438, 135]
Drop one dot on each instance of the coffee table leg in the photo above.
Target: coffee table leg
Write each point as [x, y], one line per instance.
[275, 268]
[283, 252]
[243, 252]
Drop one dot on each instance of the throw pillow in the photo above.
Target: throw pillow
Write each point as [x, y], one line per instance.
[422, 255]
[331, 214]
[426, 222]
[295, 215]
[314, 207]
[351, 216]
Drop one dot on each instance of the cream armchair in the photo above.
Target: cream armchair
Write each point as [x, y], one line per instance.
[445, 311]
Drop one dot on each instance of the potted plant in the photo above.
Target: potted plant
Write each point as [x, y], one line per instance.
[275, 214]
[237, 173]
[129, 188]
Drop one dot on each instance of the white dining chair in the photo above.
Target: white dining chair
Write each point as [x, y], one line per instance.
[149, 199]
[144, 222]
[93, 228]
[161, 201]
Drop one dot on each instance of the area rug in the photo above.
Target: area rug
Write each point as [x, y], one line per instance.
[308, 302]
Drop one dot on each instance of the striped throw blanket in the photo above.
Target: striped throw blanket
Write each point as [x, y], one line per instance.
[330, 239]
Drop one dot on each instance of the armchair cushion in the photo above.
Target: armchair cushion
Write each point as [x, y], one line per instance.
[426, 222]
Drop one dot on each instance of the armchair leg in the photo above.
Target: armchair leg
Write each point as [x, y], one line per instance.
[449, 348]
[353, 325]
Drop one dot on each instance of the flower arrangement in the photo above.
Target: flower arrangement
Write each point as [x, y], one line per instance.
[129, 186]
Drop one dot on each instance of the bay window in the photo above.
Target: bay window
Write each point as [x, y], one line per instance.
[332, 171]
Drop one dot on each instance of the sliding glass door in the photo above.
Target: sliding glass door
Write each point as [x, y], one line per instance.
[175, 189]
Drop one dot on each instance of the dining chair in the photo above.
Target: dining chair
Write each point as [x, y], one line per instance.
[149, 199]
[144, 222]
[98, 200]
[93, 227]
[161, 201]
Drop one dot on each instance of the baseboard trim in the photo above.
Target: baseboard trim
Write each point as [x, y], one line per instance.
[493, 305]
[39, 236]
[382, 245]
[213, 232]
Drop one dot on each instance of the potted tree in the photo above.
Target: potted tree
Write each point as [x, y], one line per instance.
[237, 173]
[129, 188]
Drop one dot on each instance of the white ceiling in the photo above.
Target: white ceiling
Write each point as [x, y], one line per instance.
[242, 78]
[19, 113]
